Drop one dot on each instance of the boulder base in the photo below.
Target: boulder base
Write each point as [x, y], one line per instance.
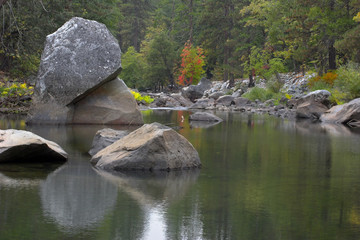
[23, 146]
[112, 103]
[151, 147]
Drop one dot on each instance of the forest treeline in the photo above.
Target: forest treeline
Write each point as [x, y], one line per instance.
[237, 38]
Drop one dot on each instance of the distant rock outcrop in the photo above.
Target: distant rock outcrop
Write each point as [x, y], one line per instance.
[24, 146]
[348, 113]
[193, 92]
[78, 72]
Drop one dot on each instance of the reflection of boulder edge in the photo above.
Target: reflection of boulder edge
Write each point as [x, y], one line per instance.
[149, 188]
[24, 146]
[16, 183]
[151, 147]
[200, 124]
[205, 117]
[28, 171]
[308, 127]
[78, 202]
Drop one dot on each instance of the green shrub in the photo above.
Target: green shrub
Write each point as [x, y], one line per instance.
[320, 85]
[274, 85]
[262, 94]
[348, 80]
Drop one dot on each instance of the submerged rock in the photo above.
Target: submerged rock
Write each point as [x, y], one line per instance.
[151, 147]
[204, 116]
[78, 60]
[24, 146]
[104, 138]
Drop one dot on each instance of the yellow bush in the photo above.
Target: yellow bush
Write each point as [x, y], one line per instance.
[327, 78]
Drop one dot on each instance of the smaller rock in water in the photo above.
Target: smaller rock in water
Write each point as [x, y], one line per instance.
[104, 138]
[24, 146]
[151, 147]
[204, 116]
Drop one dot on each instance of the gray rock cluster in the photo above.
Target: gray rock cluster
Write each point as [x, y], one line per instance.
[174, 100]
[77, 79]
[194, 92]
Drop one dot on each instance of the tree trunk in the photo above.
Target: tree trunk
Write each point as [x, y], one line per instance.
[332, 55]
[191, 21]
[2, 2]
[331, 49]
[226, 63]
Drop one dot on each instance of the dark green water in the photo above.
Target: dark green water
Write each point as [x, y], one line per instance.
[262, 178]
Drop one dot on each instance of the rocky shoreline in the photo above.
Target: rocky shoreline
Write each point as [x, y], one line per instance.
[216, 95]
[297, 102]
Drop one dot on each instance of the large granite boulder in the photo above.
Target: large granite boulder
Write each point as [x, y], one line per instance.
[174, 100]
[320, 96]
[348, 113]
[216, 95]
[311, 110]
[151, 147]
[204, 116]
[203, 103]
[241, 102]
[104, 138]
[226, 101]
[24, 146]
[78, 59]
[184, 102]
[193, 92]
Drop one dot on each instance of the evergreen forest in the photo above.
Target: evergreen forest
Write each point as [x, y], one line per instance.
[232, 39]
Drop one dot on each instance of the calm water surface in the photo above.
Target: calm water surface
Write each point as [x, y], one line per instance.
[262, 178]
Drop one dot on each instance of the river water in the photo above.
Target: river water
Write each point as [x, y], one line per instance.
[262, 178]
